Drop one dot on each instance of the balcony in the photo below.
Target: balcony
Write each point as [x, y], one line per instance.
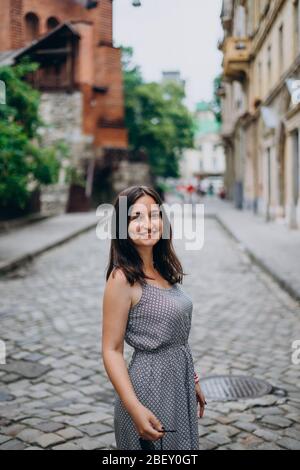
[236, 58]
[227, 14]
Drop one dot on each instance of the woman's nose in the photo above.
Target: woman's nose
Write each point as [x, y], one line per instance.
[147, 223]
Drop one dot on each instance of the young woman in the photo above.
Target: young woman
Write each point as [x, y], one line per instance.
[160, 387]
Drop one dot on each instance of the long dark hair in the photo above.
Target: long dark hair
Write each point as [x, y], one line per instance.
[123, 253]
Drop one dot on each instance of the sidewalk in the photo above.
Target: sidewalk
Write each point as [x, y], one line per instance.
[24, 243]
[274, 246]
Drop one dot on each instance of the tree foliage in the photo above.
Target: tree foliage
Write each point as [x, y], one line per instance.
[217, 99]
[24, 161]
[157, 119]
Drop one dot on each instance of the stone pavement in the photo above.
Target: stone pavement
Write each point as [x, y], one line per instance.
[54, 391]
[21, 244]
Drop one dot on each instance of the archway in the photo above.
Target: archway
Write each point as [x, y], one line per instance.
[31, 27]
[52, 22]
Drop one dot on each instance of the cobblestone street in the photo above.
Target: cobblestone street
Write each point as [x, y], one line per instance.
[54, 392]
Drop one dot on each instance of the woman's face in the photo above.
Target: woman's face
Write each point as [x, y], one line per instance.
[145, 223]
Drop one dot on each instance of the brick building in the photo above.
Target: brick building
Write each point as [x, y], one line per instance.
[80, 78]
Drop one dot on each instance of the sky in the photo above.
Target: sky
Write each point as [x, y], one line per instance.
[173, 35]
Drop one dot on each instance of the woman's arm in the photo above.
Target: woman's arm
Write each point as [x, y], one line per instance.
[116, 304]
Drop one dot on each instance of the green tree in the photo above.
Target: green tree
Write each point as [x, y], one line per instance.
[216, 98]
[24, 162]
[157, 119]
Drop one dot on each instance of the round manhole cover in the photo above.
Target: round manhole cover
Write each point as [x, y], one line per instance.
[233, 387]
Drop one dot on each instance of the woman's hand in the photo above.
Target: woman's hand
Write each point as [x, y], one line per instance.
[146, 423]
[200, 399]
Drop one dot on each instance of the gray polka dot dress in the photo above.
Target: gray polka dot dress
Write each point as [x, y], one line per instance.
[161, 369]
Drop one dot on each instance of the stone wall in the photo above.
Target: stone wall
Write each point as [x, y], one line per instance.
[54, 198]
[62, 114]
[130, 173]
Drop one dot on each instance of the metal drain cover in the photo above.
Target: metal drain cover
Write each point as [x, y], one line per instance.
[233, 387]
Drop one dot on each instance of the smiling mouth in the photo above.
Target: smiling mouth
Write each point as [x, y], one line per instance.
[152, 233]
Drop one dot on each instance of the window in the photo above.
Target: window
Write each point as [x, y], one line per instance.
[296, 166]
[31, 27]
[52, 22]
[269, 64]
[296, 26]
[280, 49]
[215, 163]
[260, 79]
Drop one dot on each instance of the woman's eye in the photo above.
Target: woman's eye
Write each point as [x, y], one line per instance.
[138, 217]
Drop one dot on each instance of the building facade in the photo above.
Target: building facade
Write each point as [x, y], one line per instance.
[207, 160]
[261, 106]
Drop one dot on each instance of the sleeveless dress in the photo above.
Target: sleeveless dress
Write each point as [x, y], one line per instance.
[161, 369]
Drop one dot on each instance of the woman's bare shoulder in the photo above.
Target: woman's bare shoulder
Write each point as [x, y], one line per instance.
[118, 273]
[117, 293]
[117, 278]
[117, 283]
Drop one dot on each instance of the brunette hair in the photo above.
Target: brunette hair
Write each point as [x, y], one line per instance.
[123, 253]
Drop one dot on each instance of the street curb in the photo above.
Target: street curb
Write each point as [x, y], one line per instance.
[258, 261]
[11, 265]
[10, 225]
